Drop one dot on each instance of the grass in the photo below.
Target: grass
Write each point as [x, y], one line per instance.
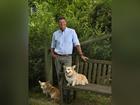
[39, 99]
[83, 98]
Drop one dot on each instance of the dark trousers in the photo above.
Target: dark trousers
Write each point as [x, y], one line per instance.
[59, 62]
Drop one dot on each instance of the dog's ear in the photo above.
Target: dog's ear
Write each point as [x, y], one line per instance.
[39, 81]
[74, 66]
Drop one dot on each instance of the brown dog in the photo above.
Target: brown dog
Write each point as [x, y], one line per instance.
[51, 90]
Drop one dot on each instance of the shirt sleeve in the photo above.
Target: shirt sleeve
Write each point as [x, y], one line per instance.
[75, 39]
[53, 42]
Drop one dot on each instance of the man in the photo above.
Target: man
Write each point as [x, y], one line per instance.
[63, 41]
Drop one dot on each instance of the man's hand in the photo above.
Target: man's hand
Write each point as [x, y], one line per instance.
[84, 58]
[54, 56]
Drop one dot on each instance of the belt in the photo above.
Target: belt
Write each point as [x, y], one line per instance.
[63, 54]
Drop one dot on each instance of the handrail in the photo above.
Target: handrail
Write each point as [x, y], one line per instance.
[99, 61]
[95, 39]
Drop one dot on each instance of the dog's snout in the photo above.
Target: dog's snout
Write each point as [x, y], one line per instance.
[67, 71]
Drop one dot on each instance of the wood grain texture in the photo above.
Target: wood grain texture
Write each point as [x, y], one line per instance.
[106, 90]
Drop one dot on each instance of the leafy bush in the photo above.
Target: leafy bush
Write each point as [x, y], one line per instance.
[42, 24]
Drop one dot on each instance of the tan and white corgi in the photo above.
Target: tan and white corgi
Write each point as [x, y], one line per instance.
[73, 78]
[51, 90]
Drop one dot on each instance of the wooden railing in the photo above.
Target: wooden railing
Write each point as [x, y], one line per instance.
[97, 71]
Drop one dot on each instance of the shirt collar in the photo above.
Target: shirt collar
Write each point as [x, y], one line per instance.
[64, 29]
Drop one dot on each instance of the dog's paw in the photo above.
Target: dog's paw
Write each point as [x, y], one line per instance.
[73, 84]
[44, 92]
[68, 84]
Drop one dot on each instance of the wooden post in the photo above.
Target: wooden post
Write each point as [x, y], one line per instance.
[90, 72]
[104, 74]
[77, 63]
[94, 78]
[99, 73]
[54, 74]
[48, 64]
[81, 67]
[109, 74]
[86, 68]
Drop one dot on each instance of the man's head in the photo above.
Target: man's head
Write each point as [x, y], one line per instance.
[62, 23]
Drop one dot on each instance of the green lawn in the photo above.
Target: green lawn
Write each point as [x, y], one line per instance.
[83, 98]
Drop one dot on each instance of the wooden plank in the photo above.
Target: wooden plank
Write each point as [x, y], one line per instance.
[99, 73]
[77, 63]
[48, 65]
[81, 67]
[85, 71]
[109, 74]
[89, 72]
[105, 90]
[104, 74]
[94, 73]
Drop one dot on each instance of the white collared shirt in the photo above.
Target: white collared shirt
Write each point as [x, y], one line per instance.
[64, 41]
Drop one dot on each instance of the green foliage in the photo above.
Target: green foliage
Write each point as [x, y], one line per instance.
[42, 24]
[90, 18]
[101, 17]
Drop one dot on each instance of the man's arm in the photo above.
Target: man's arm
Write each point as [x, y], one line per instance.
[79, 50]
[78, 47]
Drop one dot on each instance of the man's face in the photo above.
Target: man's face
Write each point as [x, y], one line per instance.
[62, 24]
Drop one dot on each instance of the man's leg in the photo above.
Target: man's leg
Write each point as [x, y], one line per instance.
[67, 61]
[58, 67]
